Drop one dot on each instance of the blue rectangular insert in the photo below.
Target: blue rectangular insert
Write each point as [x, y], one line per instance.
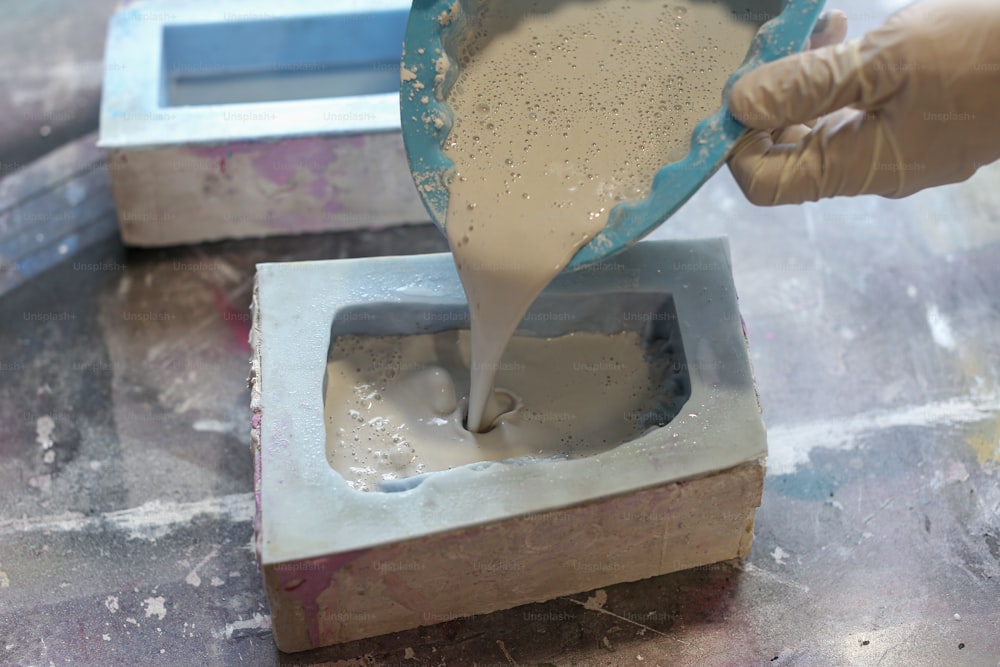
[186, 72]
[294, 58]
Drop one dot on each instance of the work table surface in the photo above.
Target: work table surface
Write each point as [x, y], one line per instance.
[125, 476]
[126, 484]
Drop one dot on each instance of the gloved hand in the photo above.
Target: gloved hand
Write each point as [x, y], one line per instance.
[913, 104]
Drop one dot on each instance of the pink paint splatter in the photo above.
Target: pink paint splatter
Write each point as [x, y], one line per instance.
[237, 320]
[314, 160]
[278, 161]
[306, 580]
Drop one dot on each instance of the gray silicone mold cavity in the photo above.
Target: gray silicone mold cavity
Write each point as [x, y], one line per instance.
[556, 313]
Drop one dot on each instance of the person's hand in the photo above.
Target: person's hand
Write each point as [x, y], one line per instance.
[913, 104]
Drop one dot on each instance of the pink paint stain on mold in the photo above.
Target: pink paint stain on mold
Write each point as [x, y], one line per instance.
[306, 580]
[237, 321]
[300, 168]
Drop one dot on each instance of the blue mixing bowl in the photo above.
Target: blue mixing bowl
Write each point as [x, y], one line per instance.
[435, 30]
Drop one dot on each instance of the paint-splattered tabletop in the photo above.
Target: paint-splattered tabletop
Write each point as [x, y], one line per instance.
[125, 472]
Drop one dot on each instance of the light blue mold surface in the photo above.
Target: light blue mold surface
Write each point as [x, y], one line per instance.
[276, 70]
[673, 185]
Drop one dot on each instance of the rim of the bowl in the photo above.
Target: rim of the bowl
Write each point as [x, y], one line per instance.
[429, 69]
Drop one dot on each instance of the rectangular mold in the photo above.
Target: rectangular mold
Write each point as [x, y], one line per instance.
[248, 118]
[341, 564]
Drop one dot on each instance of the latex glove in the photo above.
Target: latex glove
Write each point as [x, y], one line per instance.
[913, 104]
[831, 28]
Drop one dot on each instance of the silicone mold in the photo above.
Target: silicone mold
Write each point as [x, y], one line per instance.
[340, 564]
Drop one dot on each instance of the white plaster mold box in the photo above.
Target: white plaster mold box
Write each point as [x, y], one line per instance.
[246, 118]
[341, 564]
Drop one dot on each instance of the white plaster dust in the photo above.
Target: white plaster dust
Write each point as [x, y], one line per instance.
[752, 569]
[41, 482]
[192, 577]
[940, 328]
[149, 521]
[779, 555]
[154, 606]
[789, 446]
[596, 601]
[44, 427]
[257, 622]
[213, 426]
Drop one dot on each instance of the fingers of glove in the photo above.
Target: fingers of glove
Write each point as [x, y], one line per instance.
[792, 134]
[755, 143]
[756, 147]
[799, 87]
[840, 156]
[831, 28]
[749, 162]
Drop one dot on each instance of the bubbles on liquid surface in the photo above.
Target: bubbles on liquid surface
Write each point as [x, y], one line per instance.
[558, 89]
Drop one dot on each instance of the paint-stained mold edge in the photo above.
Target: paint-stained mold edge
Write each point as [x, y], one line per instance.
[253, 381]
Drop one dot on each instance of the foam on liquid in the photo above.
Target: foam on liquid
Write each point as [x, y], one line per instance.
[563, 109]
[394, 405]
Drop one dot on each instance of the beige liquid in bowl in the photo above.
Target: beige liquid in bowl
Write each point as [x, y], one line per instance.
[564, 109]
